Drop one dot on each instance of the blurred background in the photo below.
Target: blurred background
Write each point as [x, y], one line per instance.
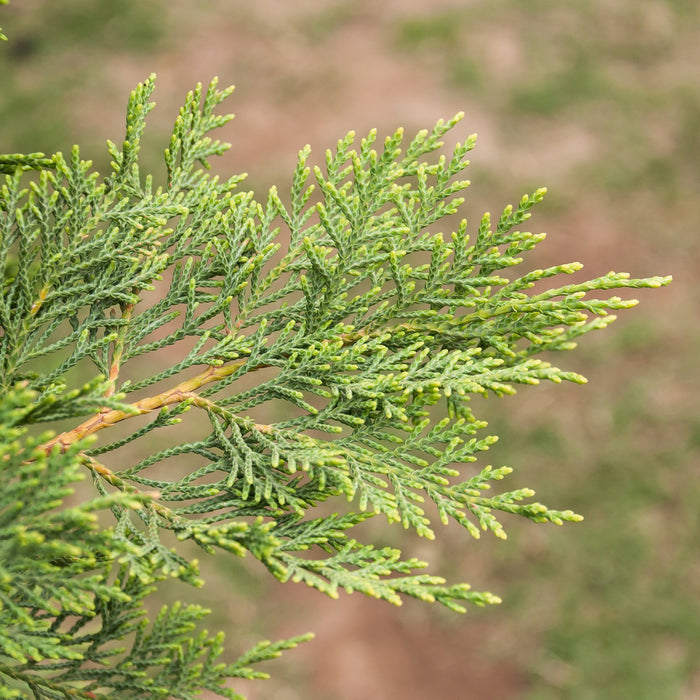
[599, 100]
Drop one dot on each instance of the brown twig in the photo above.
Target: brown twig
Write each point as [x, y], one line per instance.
[183, 391]
[111, 478]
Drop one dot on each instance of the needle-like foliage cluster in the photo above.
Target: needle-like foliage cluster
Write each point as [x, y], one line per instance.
[329, 338]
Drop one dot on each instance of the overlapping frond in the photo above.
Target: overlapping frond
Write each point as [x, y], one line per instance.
[332, 337]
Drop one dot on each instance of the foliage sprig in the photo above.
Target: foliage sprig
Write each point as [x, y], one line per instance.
[331, 338]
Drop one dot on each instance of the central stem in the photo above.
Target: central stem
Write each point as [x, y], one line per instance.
[181, 392]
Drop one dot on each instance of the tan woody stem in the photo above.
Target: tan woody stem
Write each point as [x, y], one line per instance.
[111, 478]
[183, 391]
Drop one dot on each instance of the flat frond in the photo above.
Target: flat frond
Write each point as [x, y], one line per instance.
[332, 338]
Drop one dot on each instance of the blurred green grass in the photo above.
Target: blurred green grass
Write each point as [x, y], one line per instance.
[609, 608]
[57, 49]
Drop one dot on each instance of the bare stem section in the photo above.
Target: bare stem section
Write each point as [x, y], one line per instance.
[182, 392]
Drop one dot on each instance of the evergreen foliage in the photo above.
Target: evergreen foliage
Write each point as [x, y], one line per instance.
[332, 339]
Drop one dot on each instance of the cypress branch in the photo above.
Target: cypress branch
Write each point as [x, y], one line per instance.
[347, 305]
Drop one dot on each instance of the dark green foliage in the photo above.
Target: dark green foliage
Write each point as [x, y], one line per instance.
[346, 306]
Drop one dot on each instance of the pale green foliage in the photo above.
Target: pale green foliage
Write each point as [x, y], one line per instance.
[369, 331]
